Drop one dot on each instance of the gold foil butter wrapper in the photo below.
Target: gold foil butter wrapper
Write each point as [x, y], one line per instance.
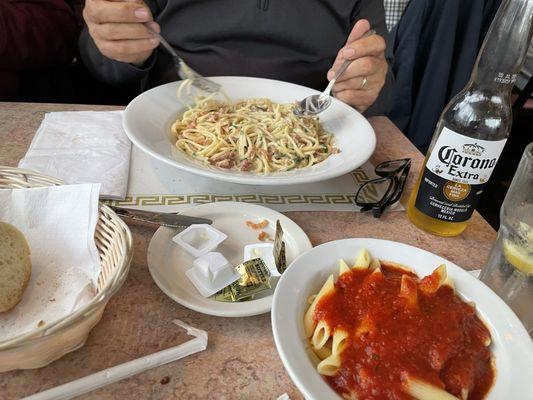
[255, 278]
[279, 249]
[225, 295]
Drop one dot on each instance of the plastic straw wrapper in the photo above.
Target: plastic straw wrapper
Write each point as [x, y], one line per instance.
[127, 369]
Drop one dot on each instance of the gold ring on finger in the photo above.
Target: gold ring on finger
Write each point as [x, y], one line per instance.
[363, 83]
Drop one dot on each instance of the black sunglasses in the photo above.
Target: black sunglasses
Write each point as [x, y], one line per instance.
[393, 175]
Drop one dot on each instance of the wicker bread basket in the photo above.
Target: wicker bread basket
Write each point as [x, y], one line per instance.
[46, 344]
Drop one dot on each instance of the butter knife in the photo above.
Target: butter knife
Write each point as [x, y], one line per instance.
[170, 220]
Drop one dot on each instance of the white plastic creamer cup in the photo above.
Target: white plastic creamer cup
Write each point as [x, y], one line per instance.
[199, 239]
[212, 272]
[264, 251]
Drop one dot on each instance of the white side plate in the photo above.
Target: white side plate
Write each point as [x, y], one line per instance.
[168, 262]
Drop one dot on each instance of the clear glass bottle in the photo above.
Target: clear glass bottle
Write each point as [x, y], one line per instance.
[509, 269]
[473, 128]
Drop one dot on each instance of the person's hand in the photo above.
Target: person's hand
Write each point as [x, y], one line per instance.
[362, 81]
[118, 31]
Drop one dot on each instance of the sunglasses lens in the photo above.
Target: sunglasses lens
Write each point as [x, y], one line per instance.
[400, 185]
[390, 167]
[373, 191]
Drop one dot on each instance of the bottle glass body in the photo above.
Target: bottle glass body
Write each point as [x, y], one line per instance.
[480, 116]
[473, 128]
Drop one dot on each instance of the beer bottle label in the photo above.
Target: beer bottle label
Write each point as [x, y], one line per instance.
[455, 173]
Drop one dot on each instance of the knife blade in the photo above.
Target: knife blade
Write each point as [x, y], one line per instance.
[171, 220]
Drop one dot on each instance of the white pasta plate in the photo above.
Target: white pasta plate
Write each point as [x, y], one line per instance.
[511, 345]
[149, 117]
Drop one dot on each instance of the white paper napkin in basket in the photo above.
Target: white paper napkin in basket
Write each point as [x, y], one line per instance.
[59, 224]
[83, 147]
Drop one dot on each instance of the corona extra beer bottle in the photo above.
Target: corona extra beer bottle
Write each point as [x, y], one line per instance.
[473, 128]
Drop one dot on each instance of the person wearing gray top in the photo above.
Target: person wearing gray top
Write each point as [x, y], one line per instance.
[299, 41]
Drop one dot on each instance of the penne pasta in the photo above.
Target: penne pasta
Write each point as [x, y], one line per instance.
[431, 283]
[409, 292]
[350, 396]
[372, 278]
[363, 260]
[309, 318]
[343, 267]
[398, 267]
[471, 303]
[421, 390]
[340, 337]
[321, 335]
[480, 331]
[329, 366]
[366, 326]
[324, 352]
[374, 264]
[449, 282]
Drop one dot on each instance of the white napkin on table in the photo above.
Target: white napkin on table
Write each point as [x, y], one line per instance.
[58, 223]
[83, 147]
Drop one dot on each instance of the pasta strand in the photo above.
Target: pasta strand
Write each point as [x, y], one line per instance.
[255, 135]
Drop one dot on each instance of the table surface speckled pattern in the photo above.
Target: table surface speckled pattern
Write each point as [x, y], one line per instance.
[241, 361]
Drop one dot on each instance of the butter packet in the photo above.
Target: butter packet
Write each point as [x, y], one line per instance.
[225, 296]
[255, 278]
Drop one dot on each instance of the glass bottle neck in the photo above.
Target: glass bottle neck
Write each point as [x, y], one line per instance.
[504, 48]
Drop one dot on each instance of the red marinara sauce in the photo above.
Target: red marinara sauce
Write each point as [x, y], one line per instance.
[441, 340]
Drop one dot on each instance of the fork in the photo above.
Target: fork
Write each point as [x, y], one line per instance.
[183, 70]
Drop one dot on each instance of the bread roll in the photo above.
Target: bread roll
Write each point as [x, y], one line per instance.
[15, 266]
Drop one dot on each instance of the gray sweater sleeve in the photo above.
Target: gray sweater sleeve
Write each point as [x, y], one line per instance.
[107, 70]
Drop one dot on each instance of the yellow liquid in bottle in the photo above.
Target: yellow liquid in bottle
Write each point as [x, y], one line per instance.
[429, 224]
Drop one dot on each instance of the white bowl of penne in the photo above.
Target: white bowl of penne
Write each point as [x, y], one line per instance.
[375, 319]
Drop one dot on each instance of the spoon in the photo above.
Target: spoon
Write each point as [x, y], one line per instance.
[317, 103]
